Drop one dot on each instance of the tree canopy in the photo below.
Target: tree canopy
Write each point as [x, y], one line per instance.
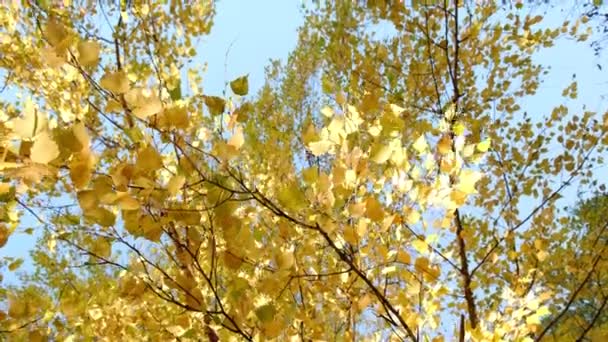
[386, 183]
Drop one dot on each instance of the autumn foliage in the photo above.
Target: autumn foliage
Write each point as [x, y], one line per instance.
[379, 187]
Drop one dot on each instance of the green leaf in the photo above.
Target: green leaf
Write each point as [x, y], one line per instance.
[240, 86]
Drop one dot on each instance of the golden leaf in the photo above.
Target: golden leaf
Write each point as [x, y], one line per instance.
[88, 52]
[55, 32]
[143, 102]
[95, 313]
[237, 139]
[320, 147]
[467, 181]
[373, 209]
[484, 145]
[126, 202]
[44, 149]
[444, 146]
[380, 153]
[327, 111]
[175, 184]
[420, 144]
[148, 159]
[31, 123]
[116, 82]
[284, 259]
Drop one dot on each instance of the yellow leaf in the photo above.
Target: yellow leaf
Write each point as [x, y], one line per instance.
[459, 129]
[237, 139]
[468, 150]
[404, 257]
[31, 124]
[450, 112]
[113, 106]
[533, 320]
[445, 144]
[55, 32]
[309, 135]
[240, 86]
[420, 144]
[542, 255]
[102, 216]
[176, 330]
[95, 313]
[17, 308]
[420, 246]
[284, 259]
[88, 52]
[270, 330]
[126, 202]
[413, 216]
[423, 266]
[143, 102]
[327, 111]
[380, 153]
[291, 197]
[232, 261]
[373, 209]
[4, 188]
[484, 145]
[151, 230]
[44, 149]
[389, 270]
[81, 167]
[364, 302]
[51, 58]
[468, 178]
[148, 159]
[320, 147]
[151, 106]
[310, 175]
[175, 184]
[175, 116]
[397, 110]
[80, 132]
[116, 82]
[356, 209]
[102, 247]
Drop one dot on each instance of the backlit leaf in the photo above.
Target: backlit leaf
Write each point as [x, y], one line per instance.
[44, 149]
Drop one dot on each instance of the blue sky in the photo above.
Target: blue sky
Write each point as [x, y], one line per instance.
[255, 31]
